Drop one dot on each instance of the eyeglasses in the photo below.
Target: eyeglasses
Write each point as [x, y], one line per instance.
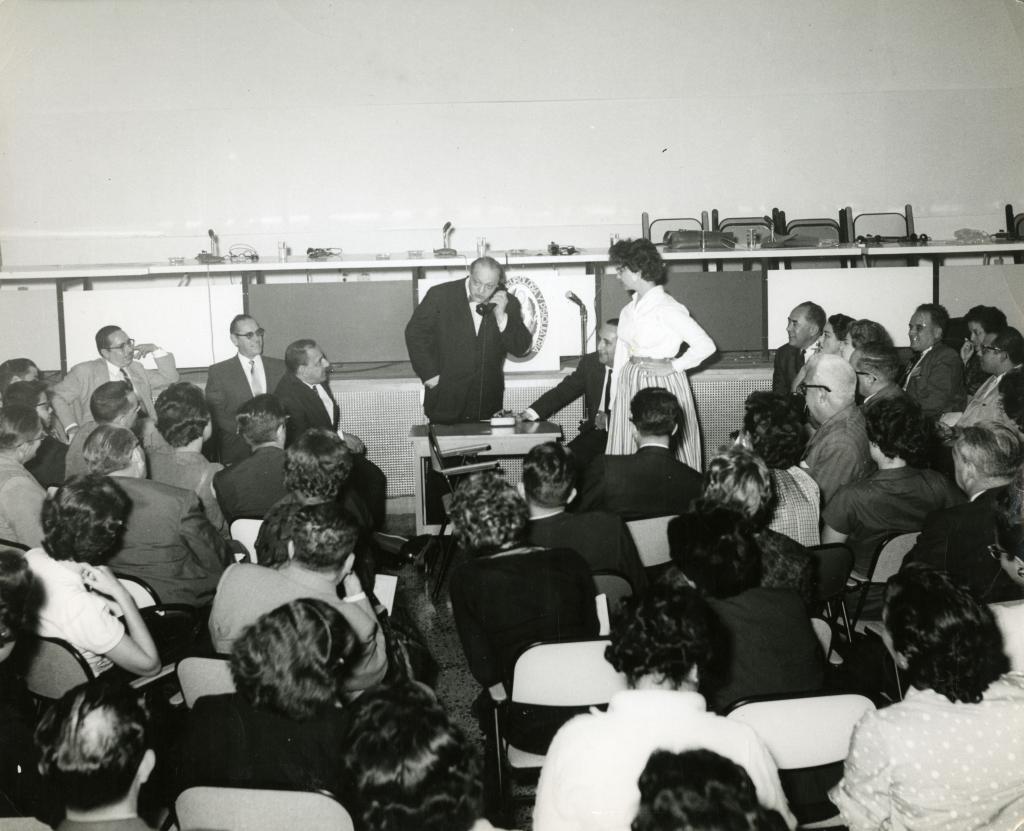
[862, 372]
[115, 347]
[802, 388]
[992, 349]
[256, 333]
[33, 440]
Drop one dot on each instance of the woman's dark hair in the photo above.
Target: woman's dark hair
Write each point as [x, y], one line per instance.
[950, 640]
[699, 790]
[989, 318]
[840, 324]
[17, 590]
[716, 549]
[18, 424]
[868, 331]
[84, 519]
[775, 429]
[487, 513]
[293, 660]
[897, 426]
[407, 767]
[317, 465]
[181, 413]
[665, 633]
[641, 256]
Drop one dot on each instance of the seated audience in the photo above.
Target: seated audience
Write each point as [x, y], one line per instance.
[1000, 355]
[167, 540]
[322, 563]
[775, 433]
[83, 602]
[651, 482]
[803, 330]
[837, 453]
[951, 754]
[956, 540]
[282, 727]
[980, 321]
[863, 332]
[250, 488]
[699, 790]
[21, 496]
[602, 539]
[96, 751]
[935, 379]
[661, 642]
[834, 340]
[407, 767]
[183, 419]
[898, 496]
[47, 465]
[877, 365]
[17, 369]
[764, 643]
[112, 403]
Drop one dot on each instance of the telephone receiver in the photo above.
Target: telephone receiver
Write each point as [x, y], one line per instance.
[487, 307]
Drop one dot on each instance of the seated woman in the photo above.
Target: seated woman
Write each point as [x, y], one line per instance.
[866, 331]
[21, 496]
[765, 643]
[835, 340]
[951, 754]
[775, 433]
[282, 727]
[183, 419]
[82, 600]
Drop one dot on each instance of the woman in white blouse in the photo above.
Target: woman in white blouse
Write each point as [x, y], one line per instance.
[652, 330]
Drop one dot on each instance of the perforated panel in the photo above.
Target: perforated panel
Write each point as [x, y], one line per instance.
[720, 406]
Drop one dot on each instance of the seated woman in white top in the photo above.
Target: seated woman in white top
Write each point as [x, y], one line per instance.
[83, 600]
[950, 755]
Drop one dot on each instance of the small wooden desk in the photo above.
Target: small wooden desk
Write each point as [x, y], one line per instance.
[504, 441]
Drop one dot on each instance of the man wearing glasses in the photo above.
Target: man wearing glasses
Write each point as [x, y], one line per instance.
[118, 361]
[1000, 353]
[232, 383]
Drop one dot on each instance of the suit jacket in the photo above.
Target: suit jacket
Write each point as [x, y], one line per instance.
[986, 405]
[651, 482]
[936, 382]
[893, 391]
[443, 341]
[253, 486]
[227, 389]
[586, 380]
[956, 540]
[71, 395]
[169, 543]
[788, 362]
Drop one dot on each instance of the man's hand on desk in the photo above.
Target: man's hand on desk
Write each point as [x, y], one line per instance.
[529, 415]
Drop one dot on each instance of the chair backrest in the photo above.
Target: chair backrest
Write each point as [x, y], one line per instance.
[820, 229]
[204, 676]
[887, 224]
[651, 539]
[142, 593]
[614, 586]
[670, 223]
[833, 563]
[53, 666]
[891, 553]
[541, 670]
[804, 731]
[259, 810]
[17, 546]
[246, 531]
[823, 632]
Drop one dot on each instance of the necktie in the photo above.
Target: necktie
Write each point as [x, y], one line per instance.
[128, 380]
[254, 378]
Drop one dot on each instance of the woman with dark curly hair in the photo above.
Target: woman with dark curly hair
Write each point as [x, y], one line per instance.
[652, 329]
[775, 433]
[951, 754]
[82, 526]
[661, 642]
[898, 496]
[282, 727]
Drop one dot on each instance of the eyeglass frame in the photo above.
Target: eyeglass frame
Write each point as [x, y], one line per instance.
[256, 333]
[802, 388]
[130, 343]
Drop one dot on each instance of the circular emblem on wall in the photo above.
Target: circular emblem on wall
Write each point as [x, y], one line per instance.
[534, 308]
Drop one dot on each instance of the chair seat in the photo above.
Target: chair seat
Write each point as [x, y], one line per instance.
[522, 760]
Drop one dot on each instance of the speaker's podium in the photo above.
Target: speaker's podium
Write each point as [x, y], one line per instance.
[513, 441]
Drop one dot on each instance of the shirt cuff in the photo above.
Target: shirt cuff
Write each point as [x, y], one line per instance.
[159, 353]
[355, 598]
[530, 414]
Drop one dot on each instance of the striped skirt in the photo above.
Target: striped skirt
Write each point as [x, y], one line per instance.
[632, 379]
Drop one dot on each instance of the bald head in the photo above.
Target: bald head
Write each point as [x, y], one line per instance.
[830, 386]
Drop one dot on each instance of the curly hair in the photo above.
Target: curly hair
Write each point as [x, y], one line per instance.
[83, 521]
[655, 411]
[181, 413]
[487, 513]
[317, 465]
[323, 536]
[293, 660]
[549, 474]
[950, 640]
[865, 331]
[1011, 394]
[259, 419]
[899, 429]
[715, 547]
[774, 428]
[18, 594]
[18, 425]
[407, 766]
[109, 449]
[989, 318]
[738, 479]
[640, 256]
[663, 633]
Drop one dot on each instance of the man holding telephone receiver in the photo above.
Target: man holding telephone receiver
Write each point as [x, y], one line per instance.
[458, 338]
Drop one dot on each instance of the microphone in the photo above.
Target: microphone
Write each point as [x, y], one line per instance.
[571, 296]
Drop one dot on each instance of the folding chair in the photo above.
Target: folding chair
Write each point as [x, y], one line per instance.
[245, 531]
[808, 736]
[142, 593]
[651, 539]
[691, 223]
[614, 586]
[52, 667]
[204, 676]
[259, 810]
[832, 565]
[886, 562]
[825, 232]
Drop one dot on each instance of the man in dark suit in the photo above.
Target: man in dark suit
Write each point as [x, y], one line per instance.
[592, 380]
[935, 380]
[956, 540]
[230, 383]
[805, 324]
[306, 397]
[458, 338]
[600, 538]
[651, 482]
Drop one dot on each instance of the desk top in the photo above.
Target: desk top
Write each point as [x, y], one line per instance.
[483, 429]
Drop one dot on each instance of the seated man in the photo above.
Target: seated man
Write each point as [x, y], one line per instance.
[956, 540]
[876, 365]
[602, 539]
[252, 486]
[21, 496]
[322, 566]
[837, 453]
[590, 774]
[112, 403]
[803, 329]
[96, 751]
[936, 378]
[167, 541]
[592, 380]
[47, 466]
[1000, 353]
[17, 369]
[651, 482]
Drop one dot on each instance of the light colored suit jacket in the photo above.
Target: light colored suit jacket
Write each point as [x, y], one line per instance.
[985, 405]
[71, 395]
